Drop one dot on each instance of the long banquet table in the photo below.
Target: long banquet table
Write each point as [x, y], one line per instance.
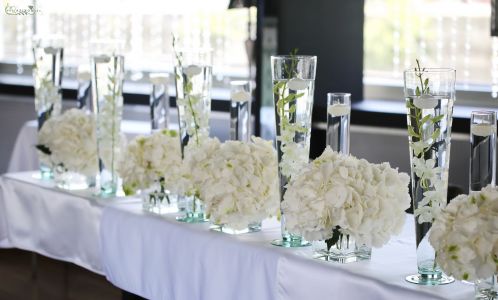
[157, 257]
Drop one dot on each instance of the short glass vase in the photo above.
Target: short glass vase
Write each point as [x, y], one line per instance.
[68, 180]
[192, 209]
[487, 289]
[344, 251]
[251, 227]
[158, 200]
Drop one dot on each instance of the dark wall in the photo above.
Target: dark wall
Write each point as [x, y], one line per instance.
[333, 31]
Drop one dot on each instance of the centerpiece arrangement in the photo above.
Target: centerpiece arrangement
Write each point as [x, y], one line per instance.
[107, 64]
[293, 87]
[343, 202]
[151, 165]
[239, 186]
[193, 68]
[465, 237]
[66, 143]
[430, 94]
[47, 75]
[195, 171]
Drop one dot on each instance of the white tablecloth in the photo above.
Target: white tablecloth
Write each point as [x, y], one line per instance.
[25, 158]
[59, 224]
[160, 258]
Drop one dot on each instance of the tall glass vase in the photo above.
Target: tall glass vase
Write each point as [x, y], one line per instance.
[344, 248]
[482, 150]
[107, 93]
[240, 110]
[84, 92]
[483, 173]
[293, 87]
[338, 121]
[430, 94]
[159, 101]
[240, 130]
[47, 75]
[193, 72]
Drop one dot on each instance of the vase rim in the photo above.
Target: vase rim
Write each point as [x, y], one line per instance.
[430, 70]
[294, 56]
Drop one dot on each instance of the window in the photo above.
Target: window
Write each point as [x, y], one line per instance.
[440, 33]
[146, 28]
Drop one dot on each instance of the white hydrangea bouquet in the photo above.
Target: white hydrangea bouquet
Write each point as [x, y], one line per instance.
[338, 195]
[197, 159]
[238, 184]
[68, 142]
[465, 236]
[151, 164]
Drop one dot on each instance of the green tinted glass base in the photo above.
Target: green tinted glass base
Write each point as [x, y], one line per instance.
[429, 279]
[46, 173]
[290, 243]
[192, 218]
[254, 227]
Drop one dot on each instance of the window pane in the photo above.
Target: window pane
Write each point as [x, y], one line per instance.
[146, 27]
[440, 33]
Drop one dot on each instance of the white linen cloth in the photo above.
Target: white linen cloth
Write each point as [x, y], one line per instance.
[25, 158]
[160, 258]
[59, 224]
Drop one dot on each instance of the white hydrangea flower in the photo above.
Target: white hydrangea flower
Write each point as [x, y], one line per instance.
[147, 159]
[368, 201]
[196, 165]
[71, 140]
[239, 184]
[465, 235]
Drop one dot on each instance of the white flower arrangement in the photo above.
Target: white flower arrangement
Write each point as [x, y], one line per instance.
[196, 167]
[367, 201]
[69, 140]
[465, 235]
[239, 185]
[150, 159]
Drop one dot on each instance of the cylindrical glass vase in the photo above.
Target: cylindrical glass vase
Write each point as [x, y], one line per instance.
[240, 110]
[107, 64]
[430, 94]
[47, 74]
[159, 101]
[84, 93]
[240, 130]
[193, 72]
[482, 150]
[293, 87]
[344, 249]
[338, 115]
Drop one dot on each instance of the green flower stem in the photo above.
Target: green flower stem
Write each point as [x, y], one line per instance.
[196, 126]
[187, 89]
